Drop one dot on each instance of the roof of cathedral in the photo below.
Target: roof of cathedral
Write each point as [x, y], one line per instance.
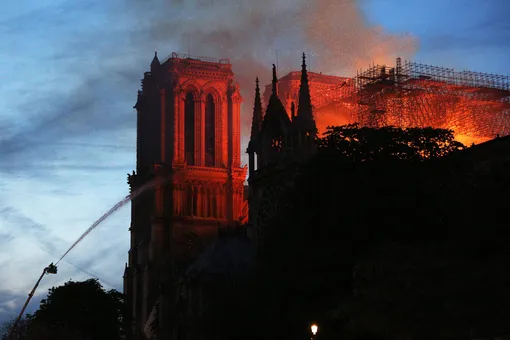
[313, 77]
[232, 254]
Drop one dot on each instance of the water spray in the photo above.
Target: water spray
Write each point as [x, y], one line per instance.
[116, 207]
[96, 223]
[52, 268]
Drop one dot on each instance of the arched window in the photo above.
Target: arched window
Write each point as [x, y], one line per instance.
[210, 132]
[189, 129]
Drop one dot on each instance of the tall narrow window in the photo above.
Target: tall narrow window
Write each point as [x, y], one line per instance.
[194, 212]
[189, 129]
[189, 200]
[210, 127]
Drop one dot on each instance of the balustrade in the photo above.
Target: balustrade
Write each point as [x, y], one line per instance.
[198, 200]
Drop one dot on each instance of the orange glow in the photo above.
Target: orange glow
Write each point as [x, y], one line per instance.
[331, 117]
[469, 140]
[473, 105]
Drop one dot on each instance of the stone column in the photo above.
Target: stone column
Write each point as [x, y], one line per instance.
[236, 130]
[162, 93]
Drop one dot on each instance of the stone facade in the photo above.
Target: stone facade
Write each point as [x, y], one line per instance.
[188, 144]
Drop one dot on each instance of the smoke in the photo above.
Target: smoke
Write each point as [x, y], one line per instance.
[334, 33]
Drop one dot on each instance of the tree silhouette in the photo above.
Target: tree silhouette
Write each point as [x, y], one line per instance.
[78, 310]
[21, 331]
[360, 144]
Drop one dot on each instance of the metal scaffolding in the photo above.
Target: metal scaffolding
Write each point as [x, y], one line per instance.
[475, 105]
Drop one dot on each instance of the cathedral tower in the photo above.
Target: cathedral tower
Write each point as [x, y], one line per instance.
[188, 144]
[274, 131]
[304, 122]
[277, 146]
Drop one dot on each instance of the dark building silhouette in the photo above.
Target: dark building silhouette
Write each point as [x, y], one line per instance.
[189, 254]
[278, 142]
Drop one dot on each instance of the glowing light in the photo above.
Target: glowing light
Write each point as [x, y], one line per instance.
[475, 111]
[314, 328]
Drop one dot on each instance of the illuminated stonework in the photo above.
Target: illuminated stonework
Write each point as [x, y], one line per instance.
[188, 134]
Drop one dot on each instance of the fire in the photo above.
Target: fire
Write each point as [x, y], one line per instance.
[331, 117]
[474, 105]
[470, 140]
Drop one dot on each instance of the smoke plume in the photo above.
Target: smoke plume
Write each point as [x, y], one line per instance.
[334, 33]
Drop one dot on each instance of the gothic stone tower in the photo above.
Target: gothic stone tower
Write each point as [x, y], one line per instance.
[278, 145]
[188, 144]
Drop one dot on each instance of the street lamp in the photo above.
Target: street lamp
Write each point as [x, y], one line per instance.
[314, 328]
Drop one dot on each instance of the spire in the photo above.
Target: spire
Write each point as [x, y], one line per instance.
[305, 102]
[305, 124]
[275, 116]
[155, 60]
[275, 81]
[276, 119]
[257, 114]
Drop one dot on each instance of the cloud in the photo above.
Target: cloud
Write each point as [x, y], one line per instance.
[26, 228]
[86, 93]
[467, 30]
[249, 33]
[81, 86]
[9, 305]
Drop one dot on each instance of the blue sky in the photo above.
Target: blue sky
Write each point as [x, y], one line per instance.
[70, 71]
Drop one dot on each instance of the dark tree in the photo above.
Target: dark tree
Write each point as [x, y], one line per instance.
[21, 330]
[79, 310]
[361, 144]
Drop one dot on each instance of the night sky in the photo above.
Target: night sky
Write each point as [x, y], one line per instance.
[69, 74]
